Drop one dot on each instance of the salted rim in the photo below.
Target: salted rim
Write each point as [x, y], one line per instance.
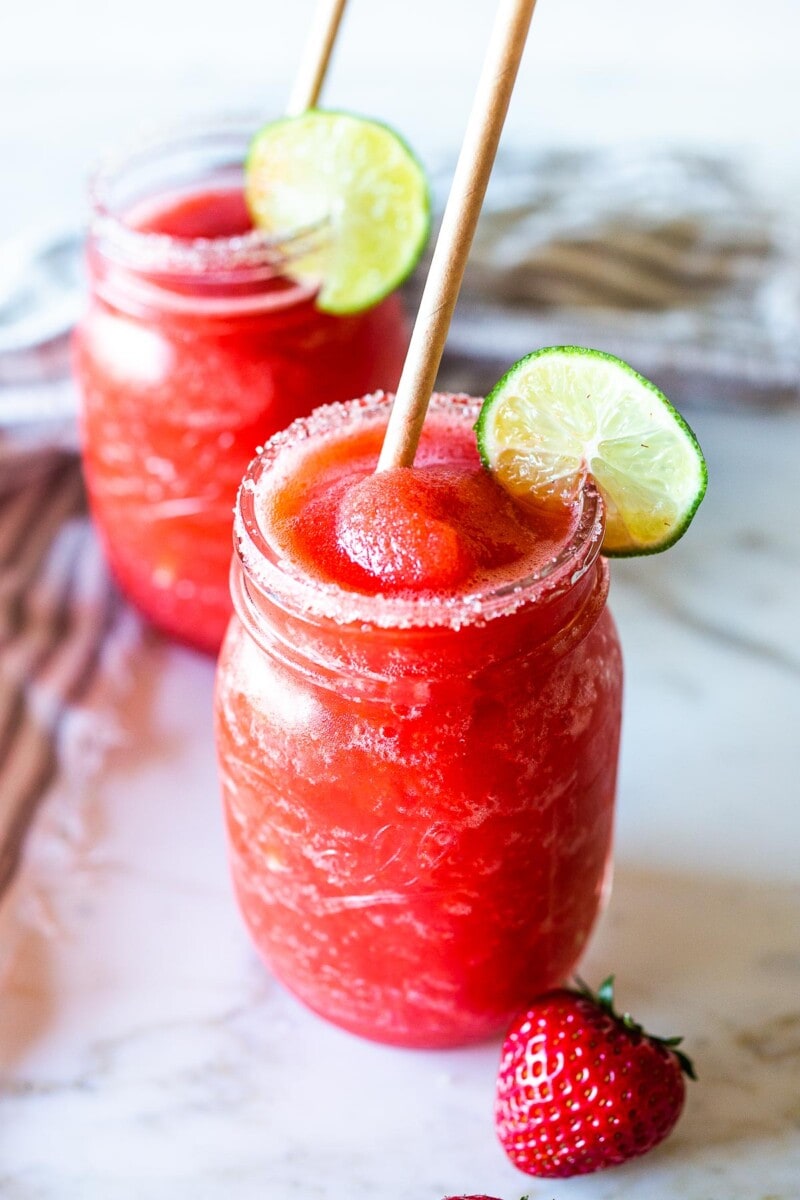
[281, 582]
[255, 251]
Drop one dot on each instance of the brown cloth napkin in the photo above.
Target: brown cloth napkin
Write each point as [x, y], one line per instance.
[65, 634]
[673, 261]
[62, 625]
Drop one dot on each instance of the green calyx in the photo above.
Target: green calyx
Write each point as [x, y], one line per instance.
[604, 999]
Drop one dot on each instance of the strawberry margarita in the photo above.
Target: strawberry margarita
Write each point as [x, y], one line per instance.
[418, 708]
[195, 349]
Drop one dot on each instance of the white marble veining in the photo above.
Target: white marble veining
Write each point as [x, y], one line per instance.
[145, 1053]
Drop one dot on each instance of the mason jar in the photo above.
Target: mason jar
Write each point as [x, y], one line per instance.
[195, 348]
[418, 790]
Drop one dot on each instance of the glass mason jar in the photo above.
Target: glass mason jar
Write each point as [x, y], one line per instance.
[418, 794]
[194, 350]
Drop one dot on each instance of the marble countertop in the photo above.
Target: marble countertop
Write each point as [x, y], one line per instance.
[146, 1053]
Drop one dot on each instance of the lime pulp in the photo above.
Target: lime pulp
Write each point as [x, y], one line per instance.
[565, 412]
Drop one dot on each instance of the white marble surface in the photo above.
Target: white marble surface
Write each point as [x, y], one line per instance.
[146, 1053]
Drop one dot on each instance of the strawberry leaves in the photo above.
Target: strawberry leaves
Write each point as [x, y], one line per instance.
[604, 998]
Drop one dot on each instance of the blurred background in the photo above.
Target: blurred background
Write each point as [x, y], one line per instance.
[77, 79]
[625, 116]
[644, 201]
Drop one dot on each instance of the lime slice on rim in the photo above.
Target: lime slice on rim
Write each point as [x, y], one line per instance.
[359, 184]
[564, 412]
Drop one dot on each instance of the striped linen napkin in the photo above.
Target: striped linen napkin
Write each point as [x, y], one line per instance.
[664, 259]
[66, 638]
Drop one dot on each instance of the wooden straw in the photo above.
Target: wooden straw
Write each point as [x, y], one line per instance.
[455, 236]
[316, 56]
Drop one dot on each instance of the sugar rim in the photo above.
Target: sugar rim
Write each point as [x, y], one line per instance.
[277, 579]
[254, 251]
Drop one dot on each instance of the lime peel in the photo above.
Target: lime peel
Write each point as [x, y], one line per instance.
[564, 412]
[359, 182]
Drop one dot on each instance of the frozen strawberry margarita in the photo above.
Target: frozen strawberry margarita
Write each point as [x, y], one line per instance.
[418, 707]
[196, 347]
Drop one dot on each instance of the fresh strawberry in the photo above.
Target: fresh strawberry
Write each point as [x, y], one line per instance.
[477, 1198]
[581, 1088]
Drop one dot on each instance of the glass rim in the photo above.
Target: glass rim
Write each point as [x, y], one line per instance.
[298, 594]
[168, 254]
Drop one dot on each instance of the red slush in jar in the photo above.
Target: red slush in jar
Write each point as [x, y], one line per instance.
[417, 716]
[196, 347]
